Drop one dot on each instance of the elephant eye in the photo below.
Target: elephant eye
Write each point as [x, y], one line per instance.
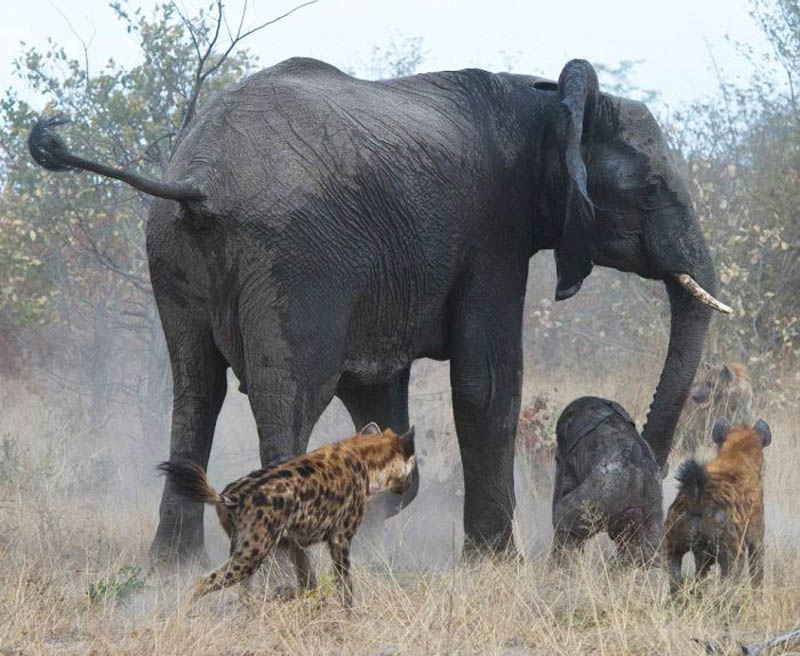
[651, 196]
[652, 188]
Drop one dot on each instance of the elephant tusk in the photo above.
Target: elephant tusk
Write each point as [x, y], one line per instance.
[689, 284]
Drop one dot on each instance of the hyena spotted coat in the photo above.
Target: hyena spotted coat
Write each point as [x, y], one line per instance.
[317, 497]
[718, 514]
[723, 391]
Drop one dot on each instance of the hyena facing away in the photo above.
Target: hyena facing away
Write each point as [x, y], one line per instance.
[718, 514]
[317, 497]
[723, 391]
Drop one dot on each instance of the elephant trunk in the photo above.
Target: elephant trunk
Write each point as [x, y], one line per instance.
[688, 327]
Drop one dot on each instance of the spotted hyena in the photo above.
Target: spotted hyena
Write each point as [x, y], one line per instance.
[718, 514]
[723, 390]
[317, 497]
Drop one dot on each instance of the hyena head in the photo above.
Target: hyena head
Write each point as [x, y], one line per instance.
[725, 390]
[734, 442]
[389, 458]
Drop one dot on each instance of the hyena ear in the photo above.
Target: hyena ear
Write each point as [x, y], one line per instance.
[720, 430]
[370, 429]
[726, 374]
[762, 428]
[407, 443]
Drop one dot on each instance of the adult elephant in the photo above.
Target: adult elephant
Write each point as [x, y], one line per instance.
[318, 233]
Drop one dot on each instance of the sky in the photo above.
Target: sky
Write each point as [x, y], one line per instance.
[683, 44]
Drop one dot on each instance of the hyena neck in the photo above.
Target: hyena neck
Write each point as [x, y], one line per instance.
[376, 456]
[378, 479]
[743, 466]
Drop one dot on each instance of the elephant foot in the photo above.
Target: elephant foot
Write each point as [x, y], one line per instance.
[284, 593]
[167, 559]
[169, 551]
[501, 547]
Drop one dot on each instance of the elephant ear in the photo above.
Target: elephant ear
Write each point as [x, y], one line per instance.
[579, 97]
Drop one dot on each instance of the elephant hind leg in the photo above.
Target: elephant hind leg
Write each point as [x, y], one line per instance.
[199, 387]
[387, 405]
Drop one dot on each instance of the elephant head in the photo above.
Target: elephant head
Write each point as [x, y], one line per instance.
[626, 206]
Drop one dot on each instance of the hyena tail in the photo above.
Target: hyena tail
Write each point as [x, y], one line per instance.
[189, 480]
[693, 478]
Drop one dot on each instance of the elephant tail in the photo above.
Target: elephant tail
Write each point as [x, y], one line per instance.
[50, 151]
[693, 478]
[189, 481]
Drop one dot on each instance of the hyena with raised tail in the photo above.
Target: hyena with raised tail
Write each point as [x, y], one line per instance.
[718, 514]
[317, 497]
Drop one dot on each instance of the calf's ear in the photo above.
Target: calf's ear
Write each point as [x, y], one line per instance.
[726, 374]
[720, 430]
[762, 428]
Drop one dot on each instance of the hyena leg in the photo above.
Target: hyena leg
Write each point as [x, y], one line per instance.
[246, 594]
[730, 562]
[674, 558]
[306, 579]
[339, 547]
[755, 558]
[703, 562]
[239, 567]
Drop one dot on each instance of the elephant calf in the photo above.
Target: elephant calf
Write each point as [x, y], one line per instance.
[607, 479]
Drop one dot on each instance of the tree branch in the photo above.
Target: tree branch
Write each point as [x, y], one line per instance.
[202, 74]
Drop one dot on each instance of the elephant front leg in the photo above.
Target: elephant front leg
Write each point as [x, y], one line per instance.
[575, 520]
[486, 377]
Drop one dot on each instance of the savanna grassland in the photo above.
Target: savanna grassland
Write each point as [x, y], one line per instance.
[75, 526]
[85, 387]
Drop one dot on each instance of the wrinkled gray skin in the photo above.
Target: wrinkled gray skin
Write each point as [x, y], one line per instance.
[607, 480]
[329, 231]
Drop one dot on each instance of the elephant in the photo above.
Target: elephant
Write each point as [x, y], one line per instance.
[607, 480]
[317, 233]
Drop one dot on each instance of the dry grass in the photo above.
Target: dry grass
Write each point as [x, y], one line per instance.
[74, 532]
